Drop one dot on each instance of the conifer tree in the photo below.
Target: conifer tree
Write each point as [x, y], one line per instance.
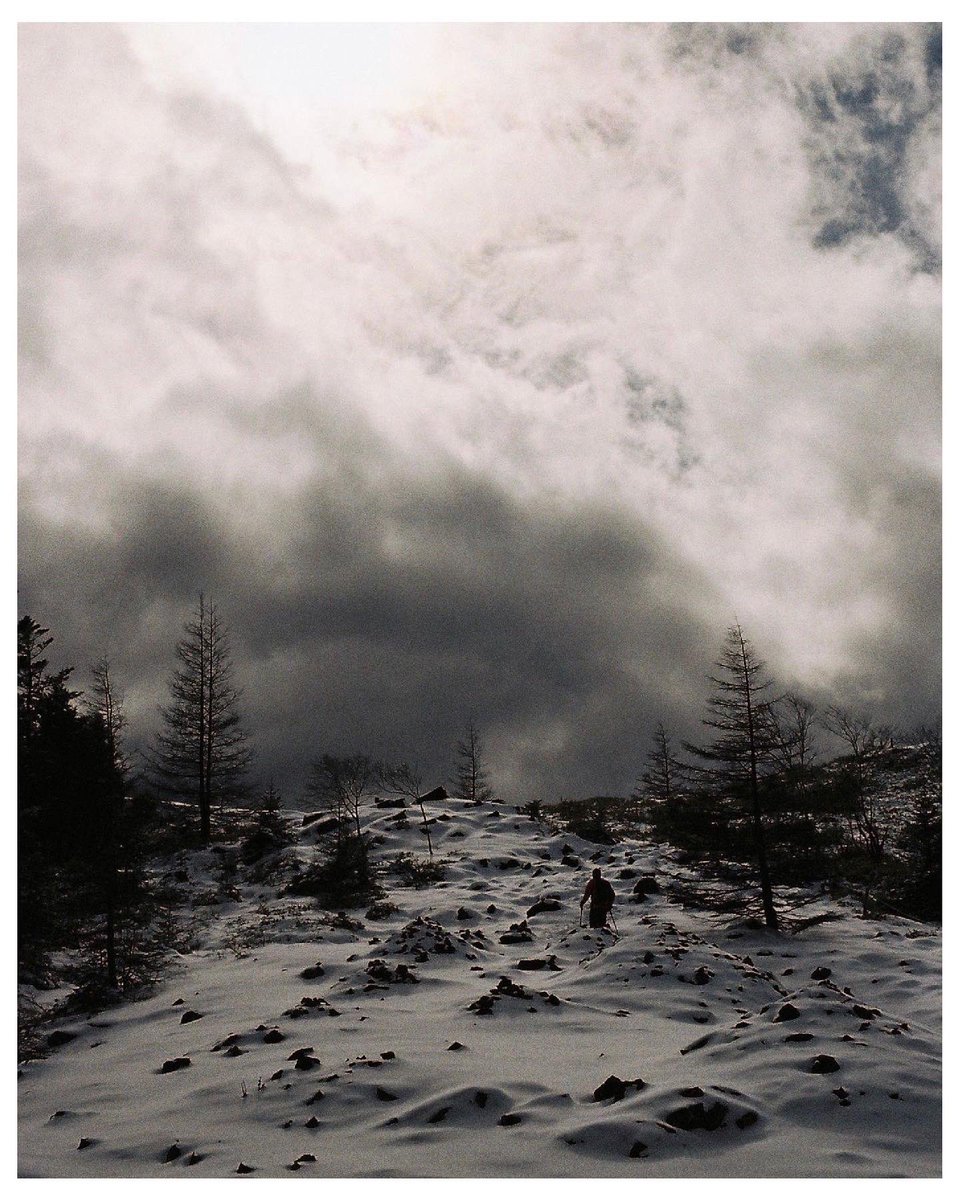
[201, 753]
[660, 779]
[472, 778]
[739, 712]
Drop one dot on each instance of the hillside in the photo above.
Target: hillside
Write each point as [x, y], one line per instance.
[463, 1036]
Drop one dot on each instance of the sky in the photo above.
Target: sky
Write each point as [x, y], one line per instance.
[484, 372]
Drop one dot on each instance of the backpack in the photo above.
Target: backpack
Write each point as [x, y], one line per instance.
[604, 894]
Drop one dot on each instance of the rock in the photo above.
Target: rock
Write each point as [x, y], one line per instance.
[439, 1115]
[85, 1143]
[60, 1037]
[638, 1149]
[824, 1064]
[176, 1002]
[313, 972]
[312, 1123]
[645, 885]
[317, 1096]
[189, 1016]
[702, 975]
[297, 1053]
[172, 1153]
[387, 1055]
[234, 1052]
[570, 860]
[539, 964]
[510, 1119]
[174, 1064]
[517, 933]
[480, 1099]
[799, 1037]
[745, 1120]
[194, 1158]
[788, 1012]
[386, 1096]
[698, 1116]
[615, 1089]
[464, 913]
[544, 905]
[272, 1036]
[306, 1062]
[691, 1093]
[243, 1169]
[865, 1013]
[698, 1044]
[456, 1046]
[821, 973]
[306, 1158]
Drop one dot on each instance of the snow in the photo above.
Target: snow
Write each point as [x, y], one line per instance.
[688, 1003]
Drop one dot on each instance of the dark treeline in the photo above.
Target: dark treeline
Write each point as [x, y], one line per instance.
[89, 818]
[760, 790]
[757, 795]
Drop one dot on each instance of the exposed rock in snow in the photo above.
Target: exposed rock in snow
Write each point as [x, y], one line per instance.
[436, 1061]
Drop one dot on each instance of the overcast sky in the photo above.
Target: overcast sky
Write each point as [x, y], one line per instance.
[484, 370]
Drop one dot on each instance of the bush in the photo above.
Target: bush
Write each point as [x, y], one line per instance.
[418, 872]
[344, 878]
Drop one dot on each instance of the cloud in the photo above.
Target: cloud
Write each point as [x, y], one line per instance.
[500, 401]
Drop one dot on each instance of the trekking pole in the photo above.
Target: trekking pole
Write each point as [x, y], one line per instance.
[581, 916]
[614, 920]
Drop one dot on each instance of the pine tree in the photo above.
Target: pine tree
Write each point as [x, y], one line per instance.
[116, 853]
[201, 753]
[739, 711]
[472, 779]
[659, 780]
[71, 793]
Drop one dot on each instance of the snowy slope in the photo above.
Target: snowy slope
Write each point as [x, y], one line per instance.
[427, 1049]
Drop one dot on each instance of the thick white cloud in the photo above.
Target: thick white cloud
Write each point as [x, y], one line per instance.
[584, 263]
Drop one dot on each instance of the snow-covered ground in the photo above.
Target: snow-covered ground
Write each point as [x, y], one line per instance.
[426, 1046]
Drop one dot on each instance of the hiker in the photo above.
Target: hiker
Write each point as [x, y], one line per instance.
[600, 894]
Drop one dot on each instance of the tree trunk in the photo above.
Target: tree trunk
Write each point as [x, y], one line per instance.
[111, 941]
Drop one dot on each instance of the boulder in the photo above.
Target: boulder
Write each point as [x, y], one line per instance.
[698, 1116]
[615, 1089]
[174, 1064]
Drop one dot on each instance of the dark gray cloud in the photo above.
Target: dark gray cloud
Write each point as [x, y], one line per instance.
[391, 612]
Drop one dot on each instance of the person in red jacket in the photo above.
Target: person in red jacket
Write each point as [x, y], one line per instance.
[600, 894]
